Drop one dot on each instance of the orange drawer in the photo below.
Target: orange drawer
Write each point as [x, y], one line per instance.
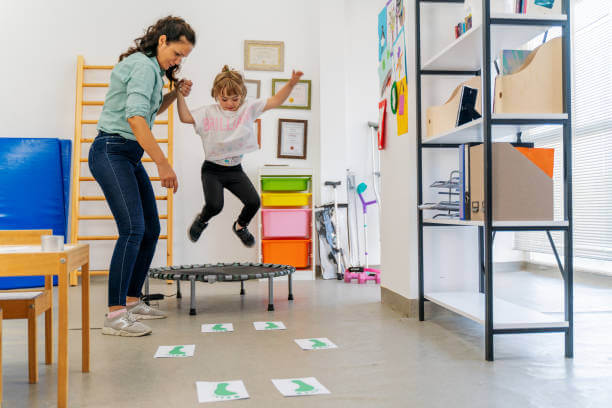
[294, 252]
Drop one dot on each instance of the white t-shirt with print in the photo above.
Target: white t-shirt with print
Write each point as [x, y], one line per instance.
[227, 133]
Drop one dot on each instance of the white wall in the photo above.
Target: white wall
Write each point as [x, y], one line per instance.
[348, 101]
[44, 38]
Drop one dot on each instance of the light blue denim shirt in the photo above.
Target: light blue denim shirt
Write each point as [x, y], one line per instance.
[135, 89]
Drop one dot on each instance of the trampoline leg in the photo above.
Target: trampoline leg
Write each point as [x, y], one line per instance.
[178, 290]
[270, 295]
[147, 291]
[192, 306]
[290, 280]
[242, 288]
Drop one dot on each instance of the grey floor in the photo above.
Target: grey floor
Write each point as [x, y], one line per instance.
[383, 360]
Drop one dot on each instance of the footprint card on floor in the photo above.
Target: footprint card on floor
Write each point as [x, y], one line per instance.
[221, 391]
[315, 344]
[269, 326]
[175, 351]
[295, 387]
[217, 328]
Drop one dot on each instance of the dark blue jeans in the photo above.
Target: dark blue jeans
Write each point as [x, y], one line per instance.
[115, 163]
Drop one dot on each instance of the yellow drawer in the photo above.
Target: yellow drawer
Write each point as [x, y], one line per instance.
[285, 199]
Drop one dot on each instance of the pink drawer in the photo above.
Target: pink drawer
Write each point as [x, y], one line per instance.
[286, 223]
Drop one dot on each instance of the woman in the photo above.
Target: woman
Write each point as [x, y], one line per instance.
[133, 100]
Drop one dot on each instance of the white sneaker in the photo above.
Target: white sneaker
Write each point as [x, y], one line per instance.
[125, 325]
[142, 311]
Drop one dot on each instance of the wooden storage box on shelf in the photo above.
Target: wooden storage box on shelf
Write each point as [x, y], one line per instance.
[522, 187]
[537, 87]
[442, 118]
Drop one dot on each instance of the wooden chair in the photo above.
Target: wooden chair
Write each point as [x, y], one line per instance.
[28, 304]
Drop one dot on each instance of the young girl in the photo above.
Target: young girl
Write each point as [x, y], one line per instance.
[226, 129]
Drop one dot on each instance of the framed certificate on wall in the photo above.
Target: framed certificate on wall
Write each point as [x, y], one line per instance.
[264, 55]
[299, 98]
[292, 134]
[253, 87]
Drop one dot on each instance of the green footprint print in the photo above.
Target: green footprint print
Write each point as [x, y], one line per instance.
[222, 393]
[177, 351]
[303, 387]
[271, 325]
[317, 343]
[219, 327]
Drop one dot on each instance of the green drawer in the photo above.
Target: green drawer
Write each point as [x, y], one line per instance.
[284, 183]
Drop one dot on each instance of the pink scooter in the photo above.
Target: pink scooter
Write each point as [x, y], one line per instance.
[363, 273]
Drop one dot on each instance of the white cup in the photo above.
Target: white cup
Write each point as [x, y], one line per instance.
[52, 243]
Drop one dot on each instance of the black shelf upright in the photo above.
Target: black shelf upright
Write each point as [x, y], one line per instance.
[487, 230]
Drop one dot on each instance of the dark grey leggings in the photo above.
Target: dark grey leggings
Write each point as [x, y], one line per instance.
[215, 178]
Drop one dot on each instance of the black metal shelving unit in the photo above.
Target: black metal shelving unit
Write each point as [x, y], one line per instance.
[488, 228]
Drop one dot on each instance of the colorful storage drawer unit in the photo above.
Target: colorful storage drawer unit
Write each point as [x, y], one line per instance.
[286, 223]
[284, 183]
[294, 252]
[285, 199]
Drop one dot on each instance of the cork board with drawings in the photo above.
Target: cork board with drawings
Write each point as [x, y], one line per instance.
[392, 70]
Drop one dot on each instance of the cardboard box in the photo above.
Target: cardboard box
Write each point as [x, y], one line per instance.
[442, 118]
[522, 183]
[537, 87]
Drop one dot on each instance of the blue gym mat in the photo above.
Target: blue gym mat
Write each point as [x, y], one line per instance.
[35, 194]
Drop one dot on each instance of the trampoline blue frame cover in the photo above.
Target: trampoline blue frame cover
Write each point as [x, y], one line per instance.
[35, 194]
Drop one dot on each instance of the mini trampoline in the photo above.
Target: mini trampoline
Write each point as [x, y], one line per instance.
[223, 272]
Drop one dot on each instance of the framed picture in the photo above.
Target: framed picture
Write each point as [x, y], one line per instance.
[253, 87]
[257, 128]
[292, 135]
[299, 98]
[264, 55]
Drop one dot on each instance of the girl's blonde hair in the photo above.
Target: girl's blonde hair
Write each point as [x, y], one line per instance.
[228, 82]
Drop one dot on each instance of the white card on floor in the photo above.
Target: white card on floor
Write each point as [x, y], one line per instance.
[269, 326]
[221, 391]
[295, 387]
[315, 344]
[217, 328]
[175, 351]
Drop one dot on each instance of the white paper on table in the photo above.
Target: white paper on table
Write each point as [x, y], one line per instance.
[269, 326]
[221, 391]
[320, 343]
[175, 351]
[217, 328]
[295, 387]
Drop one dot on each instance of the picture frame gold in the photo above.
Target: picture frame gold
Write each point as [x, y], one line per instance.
[264, 55]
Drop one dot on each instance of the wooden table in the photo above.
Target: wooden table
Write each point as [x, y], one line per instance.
[24, 260]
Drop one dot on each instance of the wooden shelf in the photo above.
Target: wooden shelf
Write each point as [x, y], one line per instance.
[464, 53]
[507, 315]
[472, 132]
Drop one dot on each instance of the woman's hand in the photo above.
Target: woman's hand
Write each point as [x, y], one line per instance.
[167, 175]
[295, 77]
[183, 87]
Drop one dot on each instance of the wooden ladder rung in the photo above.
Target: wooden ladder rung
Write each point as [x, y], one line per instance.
[109, 217]
[98, 66]
[145, 160]
[101, 198]
[94, 122]
[93, 179]
[90, 140]
[105, 237]
[95, 85]
[93, 103]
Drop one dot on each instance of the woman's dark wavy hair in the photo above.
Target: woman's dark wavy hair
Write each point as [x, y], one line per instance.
[173, 28]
